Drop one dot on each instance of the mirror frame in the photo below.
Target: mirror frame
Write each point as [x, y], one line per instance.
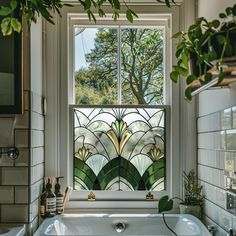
[17, 107]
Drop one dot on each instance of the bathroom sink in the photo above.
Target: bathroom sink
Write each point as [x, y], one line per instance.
[9, 230]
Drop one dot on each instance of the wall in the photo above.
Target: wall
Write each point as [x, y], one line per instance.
[215, 143]
[21, 180]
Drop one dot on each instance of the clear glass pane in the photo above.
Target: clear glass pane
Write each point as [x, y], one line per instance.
[95, 65]
[119, 149]
[142, 66]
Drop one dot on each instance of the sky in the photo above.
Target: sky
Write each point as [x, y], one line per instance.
[84, 42]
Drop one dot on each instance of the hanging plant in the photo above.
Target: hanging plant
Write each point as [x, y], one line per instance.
[31, 9]
[204, 46]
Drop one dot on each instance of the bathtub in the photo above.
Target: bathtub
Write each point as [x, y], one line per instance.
[122, 224]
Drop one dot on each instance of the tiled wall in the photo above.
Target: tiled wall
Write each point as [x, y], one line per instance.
[21, 180]
[216, 146]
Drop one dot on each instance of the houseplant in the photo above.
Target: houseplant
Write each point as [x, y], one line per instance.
[204, 43]
[193, 197]
[30, 9]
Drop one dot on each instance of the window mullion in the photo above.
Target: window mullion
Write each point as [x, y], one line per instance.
[119, 84]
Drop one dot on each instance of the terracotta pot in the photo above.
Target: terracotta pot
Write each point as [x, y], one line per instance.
[193, 210]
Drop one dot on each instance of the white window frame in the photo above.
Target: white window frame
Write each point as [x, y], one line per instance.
[57, 128]
[157, 21]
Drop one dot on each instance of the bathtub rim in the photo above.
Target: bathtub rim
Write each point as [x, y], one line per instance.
[43, 226]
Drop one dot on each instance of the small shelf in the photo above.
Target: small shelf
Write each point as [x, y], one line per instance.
[230, 77]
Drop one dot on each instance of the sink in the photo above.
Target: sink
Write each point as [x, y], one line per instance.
[10, 230]
[4, 230]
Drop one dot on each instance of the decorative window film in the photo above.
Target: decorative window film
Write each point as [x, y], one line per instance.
[119, 148]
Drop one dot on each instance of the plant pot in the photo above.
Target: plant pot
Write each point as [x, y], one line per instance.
[218, 47]
[193, 210]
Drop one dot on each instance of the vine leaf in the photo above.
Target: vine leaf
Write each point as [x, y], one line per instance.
[165, 204]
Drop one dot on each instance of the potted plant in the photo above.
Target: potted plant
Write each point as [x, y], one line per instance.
[193, 197]
[200, 47]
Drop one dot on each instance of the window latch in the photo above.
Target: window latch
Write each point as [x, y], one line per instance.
[149, 196]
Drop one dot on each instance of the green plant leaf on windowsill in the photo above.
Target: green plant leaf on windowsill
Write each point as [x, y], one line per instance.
[165, 204]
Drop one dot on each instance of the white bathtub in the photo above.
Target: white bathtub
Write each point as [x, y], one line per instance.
[135, 224]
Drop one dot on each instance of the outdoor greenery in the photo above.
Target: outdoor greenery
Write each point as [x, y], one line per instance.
[30, 9]
[199, 47]
[141, 68]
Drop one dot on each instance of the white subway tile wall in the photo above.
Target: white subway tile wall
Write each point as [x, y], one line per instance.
[6, 194]
[217, 154]
[14, 213]
[15, 175]
[22, 194]
[21, 180]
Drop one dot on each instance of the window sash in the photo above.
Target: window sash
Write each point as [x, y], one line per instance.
[152, 20]
[119, 28]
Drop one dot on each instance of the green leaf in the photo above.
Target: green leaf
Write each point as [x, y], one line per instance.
[16, 25]
[212, 55]
[228, 49]
[234, 10]
[221, 39]
[5, 11]
[165, 204]
[182, 71]
[215, 23]
[228, 10]
[167, 3]
[221, 76]
[208, 77]
[13, 4]
[116, 4]
[87, 4]
[185, 59]
[188, 94]
[133, 13]
[177, 35]
[129, 16]
[101, 13]
[222, 15]
[6, 26]
[190, 79]
[174, 75]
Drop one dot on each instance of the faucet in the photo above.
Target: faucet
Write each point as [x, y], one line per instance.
[212, 229]
[12, 152]
[231, 232]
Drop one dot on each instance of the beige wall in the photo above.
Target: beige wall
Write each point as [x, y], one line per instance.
[210, 9]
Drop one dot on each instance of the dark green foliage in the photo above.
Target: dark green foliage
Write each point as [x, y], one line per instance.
[199, 47]
[193, 191]
[165, 204]
[30, 9]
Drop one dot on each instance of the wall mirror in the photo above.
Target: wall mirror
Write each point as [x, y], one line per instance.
[10, 74]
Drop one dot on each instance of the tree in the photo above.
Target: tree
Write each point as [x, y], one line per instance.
[141, 67]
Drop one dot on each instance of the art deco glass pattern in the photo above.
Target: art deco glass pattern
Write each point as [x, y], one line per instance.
[120, 148]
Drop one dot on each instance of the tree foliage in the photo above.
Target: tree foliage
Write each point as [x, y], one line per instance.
[141, 68]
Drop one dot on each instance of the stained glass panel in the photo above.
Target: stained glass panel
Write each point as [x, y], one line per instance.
[119, 149]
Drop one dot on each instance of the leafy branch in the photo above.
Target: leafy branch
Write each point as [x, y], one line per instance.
[31, 9]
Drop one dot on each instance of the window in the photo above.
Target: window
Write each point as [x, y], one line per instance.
[119, 148]
[119, 111]
[119, 65]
